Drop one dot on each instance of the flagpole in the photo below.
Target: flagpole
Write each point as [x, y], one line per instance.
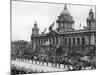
[80, 26]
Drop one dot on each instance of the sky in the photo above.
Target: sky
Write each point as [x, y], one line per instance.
[24, 14]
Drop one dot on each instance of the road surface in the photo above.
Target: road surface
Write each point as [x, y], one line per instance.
[38, 67]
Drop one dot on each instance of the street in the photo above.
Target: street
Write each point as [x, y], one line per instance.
[38, 67]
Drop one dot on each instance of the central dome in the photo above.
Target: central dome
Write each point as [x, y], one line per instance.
[65, 11]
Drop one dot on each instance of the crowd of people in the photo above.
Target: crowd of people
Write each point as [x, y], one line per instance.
[73, 59]
[76, 64]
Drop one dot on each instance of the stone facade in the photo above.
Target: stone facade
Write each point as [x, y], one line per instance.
[65, 34]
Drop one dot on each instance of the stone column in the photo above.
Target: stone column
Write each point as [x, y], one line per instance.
[37, 41]
[61, 40]
[58, 40]
[40, 41]
[92, 39]
[76, 40]
[48, 39]
[95, 39]
[71, 41]
[80, 40]
[51, 40]
[67, 40]
[86, 40]
[55, 40]
[44, 40]
[34, 43]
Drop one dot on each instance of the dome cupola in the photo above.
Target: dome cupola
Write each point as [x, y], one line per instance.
[91, 13]
[65, 11]
[65, 21]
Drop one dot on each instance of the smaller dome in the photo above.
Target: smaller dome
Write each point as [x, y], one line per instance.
[35, 23]
[89, 19]
[65, 11]
[91, 10]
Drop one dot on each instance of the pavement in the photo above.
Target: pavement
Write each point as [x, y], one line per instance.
[38, 67]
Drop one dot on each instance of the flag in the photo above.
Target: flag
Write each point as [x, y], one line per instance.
[51, 26]
[45, 29]
[80, 26]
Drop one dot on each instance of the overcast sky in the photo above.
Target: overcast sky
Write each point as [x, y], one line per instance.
[24, 14]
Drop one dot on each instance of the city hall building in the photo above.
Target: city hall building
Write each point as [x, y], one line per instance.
[65, 34]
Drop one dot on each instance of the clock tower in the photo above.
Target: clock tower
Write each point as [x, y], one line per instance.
[35, 30]
[91, 20]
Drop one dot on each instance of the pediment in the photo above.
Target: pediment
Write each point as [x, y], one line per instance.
[52, 33]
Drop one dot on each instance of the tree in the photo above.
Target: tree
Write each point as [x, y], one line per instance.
[37, 50]
[74, 59]
[58, 54]
[59, 51]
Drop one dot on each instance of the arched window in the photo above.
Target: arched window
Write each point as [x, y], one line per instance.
[73, 40]
[78, 40]
[65, 41]
[39, 41]
[44, 40]
[69, 41]
[83, 40]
